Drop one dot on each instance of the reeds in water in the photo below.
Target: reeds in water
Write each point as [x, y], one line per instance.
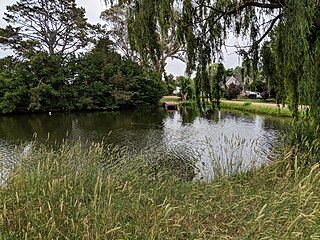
[76, 191]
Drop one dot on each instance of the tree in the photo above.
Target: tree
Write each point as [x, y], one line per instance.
[217, 75]
[292, 26]
[105, 80]
[232, 91]
[52, 26]
[13, 92]
[115, 19]
[128, 34]
[171, 84]
[147, 91]
[96, 80]
[186, 87]
[269, 72]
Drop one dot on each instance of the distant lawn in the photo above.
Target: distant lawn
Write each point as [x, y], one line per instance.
[246, 105]
[253, 100]
[170, 99]
[249, 107]
[178, 99]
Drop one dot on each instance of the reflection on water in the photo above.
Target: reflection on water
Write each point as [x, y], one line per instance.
[215, 136]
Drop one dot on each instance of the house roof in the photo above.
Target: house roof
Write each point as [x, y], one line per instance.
[232, 79]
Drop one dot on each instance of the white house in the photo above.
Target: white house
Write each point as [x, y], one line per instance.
[232, 79]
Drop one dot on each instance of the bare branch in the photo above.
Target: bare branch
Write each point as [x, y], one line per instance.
[269, 29]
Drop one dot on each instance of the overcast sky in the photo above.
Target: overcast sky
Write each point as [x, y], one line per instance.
[95, 7]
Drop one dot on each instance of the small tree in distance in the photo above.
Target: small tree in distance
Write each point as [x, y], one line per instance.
[233, 91]
[186, 87]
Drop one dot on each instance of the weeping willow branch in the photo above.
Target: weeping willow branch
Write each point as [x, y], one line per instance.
[257, 42]
[269, 29]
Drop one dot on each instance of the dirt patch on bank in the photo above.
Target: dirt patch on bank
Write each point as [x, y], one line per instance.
[172, 97]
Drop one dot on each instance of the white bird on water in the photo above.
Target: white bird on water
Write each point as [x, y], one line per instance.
[49, 113]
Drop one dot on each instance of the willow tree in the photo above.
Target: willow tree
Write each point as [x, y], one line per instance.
[141, 41]
[216, 74]
[292, 26]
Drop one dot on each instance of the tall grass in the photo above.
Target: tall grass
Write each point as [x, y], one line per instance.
[97, 192]
[233, 155]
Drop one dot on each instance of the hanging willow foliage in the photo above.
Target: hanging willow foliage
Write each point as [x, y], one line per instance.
[292, 27]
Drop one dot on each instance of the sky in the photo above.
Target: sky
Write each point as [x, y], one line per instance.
[95, 7]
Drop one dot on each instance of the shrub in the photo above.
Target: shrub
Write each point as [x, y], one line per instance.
[233, 91]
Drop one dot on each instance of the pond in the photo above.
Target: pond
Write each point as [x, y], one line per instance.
[220, 143]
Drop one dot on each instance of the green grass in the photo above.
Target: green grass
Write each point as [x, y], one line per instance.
[253, 100]
[102, 192]
[178, 100]
[167, 99]
[248, 107]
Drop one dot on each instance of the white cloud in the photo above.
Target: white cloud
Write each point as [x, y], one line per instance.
[175, 67]
[3, 5]
[93, 9]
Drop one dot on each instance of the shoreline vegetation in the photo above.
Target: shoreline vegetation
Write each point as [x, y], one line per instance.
[75, 190]
[101, 192]
[83, 190]
[258, 109]
[246, 105]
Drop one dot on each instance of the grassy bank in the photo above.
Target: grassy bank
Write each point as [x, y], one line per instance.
[253, 100]
[249, 107]
[176, 99]
[77, 192]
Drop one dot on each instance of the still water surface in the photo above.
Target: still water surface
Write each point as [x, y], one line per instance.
[225, 139]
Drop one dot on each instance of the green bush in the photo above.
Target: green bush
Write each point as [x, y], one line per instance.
[232, 91]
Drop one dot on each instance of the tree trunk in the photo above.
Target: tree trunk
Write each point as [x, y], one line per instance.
[184, 96]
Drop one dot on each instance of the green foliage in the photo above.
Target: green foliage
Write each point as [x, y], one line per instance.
[48, 74]
[99, 79]
[304, 139]
[217, 76]
[13, 92]
[171, 84]
[289, 61]
[232, 91]
[259, 86]
[147, 91]
[186, 87]
[270, 73]
[145, 42]
[237, 71]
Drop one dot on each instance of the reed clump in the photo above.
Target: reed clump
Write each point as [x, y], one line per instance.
[77, 191]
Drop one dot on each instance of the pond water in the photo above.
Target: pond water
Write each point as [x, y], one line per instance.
[221, 141]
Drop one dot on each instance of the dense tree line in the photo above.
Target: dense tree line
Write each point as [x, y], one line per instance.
[49, 73]
[98, 79]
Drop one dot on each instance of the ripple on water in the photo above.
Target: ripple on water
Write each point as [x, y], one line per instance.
[220, 142]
